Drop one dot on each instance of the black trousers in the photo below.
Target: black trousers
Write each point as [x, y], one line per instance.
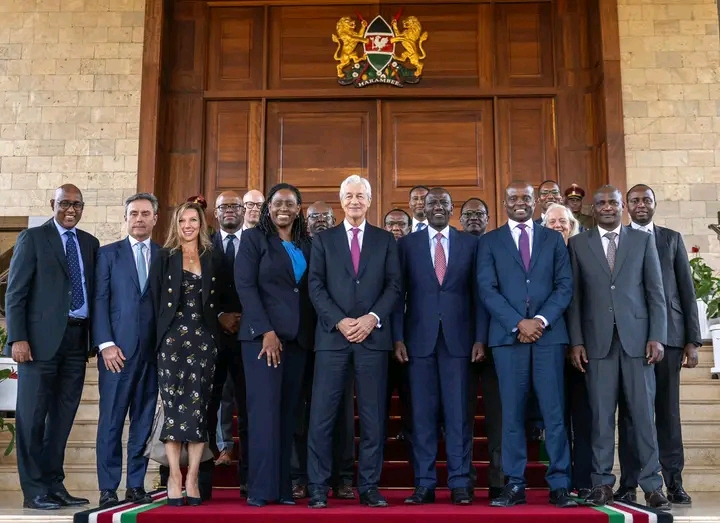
[398, 381]
[579, 423]
[48, 397]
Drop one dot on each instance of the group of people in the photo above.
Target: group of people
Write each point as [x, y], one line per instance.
[559, 327]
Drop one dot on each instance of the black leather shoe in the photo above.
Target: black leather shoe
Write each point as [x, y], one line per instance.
[678, 496]
[373, 499]
[344, 492]
[137, 495]
[561, 499]
[494, 492]
[600, 496]
[318, 500]
[243, 491]
[583, 493]
[657, 500]
[108, 498]
[421, 496]
[461, 496]
[256, 502]
[41, 503]
[627, 494]
[66, 500]
[511, 495]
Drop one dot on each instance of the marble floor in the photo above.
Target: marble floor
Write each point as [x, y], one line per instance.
[706, 508]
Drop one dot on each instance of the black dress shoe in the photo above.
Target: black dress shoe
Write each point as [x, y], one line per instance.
[256, 502]
[344, 492]
[243, 491]
[511, 495]
[108, 498]
[66, 500]
[318, 500]
[583, 493]
[657, 500]
[600, 496]
[626, 494]
[495, 492]
[137, 495]
[678, 496]
[373, 499]
[286, 501]
[561, 499]
[421, 496]
[41, 503]
[461, 496]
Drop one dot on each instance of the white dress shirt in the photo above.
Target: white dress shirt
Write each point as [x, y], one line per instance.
[605, 241]
[530, 230]
[413, 226]
[444, 241]
[348, 229]
[224, 236]
[650, 228]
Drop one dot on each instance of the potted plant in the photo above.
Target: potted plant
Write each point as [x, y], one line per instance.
[8, 392]
[707, 287]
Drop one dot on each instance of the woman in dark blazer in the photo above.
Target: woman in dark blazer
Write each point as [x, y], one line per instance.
[182, 286]
[276, 331]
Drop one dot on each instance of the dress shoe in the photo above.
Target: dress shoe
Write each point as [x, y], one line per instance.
[461, 496]
[137, 495]
[41, 503]
[495, 492]
[421, 496]
[583, 493]
[243, 491]
[256, 502]
[108, 498]
[561, 499]
[194, 502]
[318, 500]
[286, 501]
[373, 499]
[626, 494]
[344, 492]
[176, 502]
[66, 500]
[600, 496]
[678, 496]
[511, 495]
[223, 459]
[299, 491]
[657, 500]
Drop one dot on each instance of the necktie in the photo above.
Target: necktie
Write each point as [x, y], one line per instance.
[524, 245]
[355, 249]
[420, 227]
[612, 249]
[71, 253]
[141, 264]
[230, 250]
[440, 261]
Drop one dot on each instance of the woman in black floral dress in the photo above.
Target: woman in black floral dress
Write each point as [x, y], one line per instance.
[182, 288]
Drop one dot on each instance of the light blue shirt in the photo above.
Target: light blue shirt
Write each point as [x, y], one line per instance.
[82, 312]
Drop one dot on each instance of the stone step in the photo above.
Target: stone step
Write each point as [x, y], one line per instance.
[699, 410]
[700, 389]
[77, 477]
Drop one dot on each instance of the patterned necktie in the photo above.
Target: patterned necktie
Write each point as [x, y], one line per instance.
[71, 253]
[230, 250]
[141, 264]
[420, 227]
[524, 245]
[612, 249]
[440, 261]
[355, 249]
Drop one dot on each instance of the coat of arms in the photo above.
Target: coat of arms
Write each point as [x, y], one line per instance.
[379, 63]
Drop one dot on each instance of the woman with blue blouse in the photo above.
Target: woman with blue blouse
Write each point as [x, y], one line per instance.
[276, 331]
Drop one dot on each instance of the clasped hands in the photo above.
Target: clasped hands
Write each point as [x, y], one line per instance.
[356, 330]
[530, 330]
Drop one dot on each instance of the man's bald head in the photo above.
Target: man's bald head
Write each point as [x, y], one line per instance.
[67, 205]
[252, 201]
[229, 211]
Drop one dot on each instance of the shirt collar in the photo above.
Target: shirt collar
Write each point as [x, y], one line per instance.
[650, 227]
[603, 232]
[432, 232]
[224, 235]
[513, 224]
[62, 230]
[415, 222]
[134, 242]
[349, 227]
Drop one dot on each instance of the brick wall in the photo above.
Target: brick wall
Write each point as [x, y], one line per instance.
[69, 105]
[671, 96]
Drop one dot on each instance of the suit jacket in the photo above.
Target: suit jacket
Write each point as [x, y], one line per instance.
[682, 313]
[337, 293]
[227, 299]
[510, 293]
[426, 304]
[631, 296]
[165, 281]
[271, 298]
[39, 292]
[123, 313]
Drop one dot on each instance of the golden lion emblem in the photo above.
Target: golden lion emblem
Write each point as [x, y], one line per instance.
[347, 40]
[411, 39]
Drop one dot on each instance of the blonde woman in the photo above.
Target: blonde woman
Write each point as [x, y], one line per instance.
[561, 219]
[181, 279]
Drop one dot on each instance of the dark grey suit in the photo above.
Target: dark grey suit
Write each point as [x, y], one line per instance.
[683, 329]
[613, 315]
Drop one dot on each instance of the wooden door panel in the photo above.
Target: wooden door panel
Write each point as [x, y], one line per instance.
[448, 143]
[316, 145]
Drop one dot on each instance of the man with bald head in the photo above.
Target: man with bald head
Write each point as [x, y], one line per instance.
[252, 201]
[48, 308]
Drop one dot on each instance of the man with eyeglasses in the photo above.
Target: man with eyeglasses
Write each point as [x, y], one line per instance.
[252, 201]
[397, 222]
[50, 288]
[474, 217]
[548, 193]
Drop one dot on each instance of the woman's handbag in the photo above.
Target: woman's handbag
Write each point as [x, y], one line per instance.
[155, 449]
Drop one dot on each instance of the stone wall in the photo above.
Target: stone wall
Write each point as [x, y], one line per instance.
[70, 105]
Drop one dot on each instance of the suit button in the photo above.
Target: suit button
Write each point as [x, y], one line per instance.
[213, 278]
[612, 287]
[170, 291]
[169, 277]
[357, 282]
[296, 290]
[527, 281]
[169, 304]
[212, 291]
[212, 305]
[610, 309]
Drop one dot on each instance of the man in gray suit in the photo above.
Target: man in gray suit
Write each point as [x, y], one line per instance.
[618, 324]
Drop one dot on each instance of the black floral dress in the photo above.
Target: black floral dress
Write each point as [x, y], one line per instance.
[186, 365]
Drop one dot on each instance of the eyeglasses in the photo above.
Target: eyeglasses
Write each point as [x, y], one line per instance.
[474, 214]
[65, 205]
[252, 205]
[229, 207]
[318, 215]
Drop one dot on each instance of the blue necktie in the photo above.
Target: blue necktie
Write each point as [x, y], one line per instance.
[420, 227]
[230, 251]
[71, 253]
[141, 264]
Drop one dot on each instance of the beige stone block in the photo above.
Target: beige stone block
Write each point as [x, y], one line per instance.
[48, 5]
[648, 158]
[9, 83]
[654, 12]
[89, 164]
[72, 5]
[64, 164]
[669, 27]
[689, 175]
[12, 164]
[692, 27]
[694, 59]
[18, 67]
[672, 43]
[7, 115]
[131, 82]
[700, 226]
[701, 192]
[107, 82]
[12, 131]
[99, 131]
[632, 77]
[700, 124]
[679, 12]
[669, 125]
[131, 165]
[675, 158]
[77, 147]
[85, 18]
[103, 114]
[102, 148]
[636, 60]
[38, 82]
[90, 98]
[39, 164]
[92, 66]
[126, 147]
[668, 59]
[43, 66]
[5, 185]
[50, 181]
[644, 92]
[709, 108]
[711, 29]
[710, 141]
[140, 5]
[132, 116]
[120, 66]
[20, 35]
[662, 141]
[29, 115]
[6, 147]
[72, 82]
[130, 50]
[706, 43]
[94, 214]
[107, 50]
[138, 34]
[708, 75]
[674, 192]
[107, 196]
[135, 18]
[629, 12]
[10, 52]
[60, 20]
[117, 98]
[67, 66]
[64, 114]
[97, 34]
[707, 12]
[696, 92]
[686, 141]
[120, 34]
[693, 210]
[48, 35]
[109, 19]
[701, 158]
[657, 76]
[686, 108]
[21, 182]
[38, 131]
[113, 163]
[670, 92]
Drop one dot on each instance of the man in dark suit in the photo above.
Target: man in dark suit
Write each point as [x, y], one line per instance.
[525, 283]
[397, 222]
[618, 325]
[353, 290]
[48, 305]
[438, 328]
[417, 208]
[683, 340]
[548, 193]
[123, 330]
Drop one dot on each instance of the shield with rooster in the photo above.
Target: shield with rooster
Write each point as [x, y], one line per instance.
[379, 47]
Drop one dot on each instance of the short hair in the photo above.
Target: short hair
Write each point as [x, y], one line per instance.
[143, 196]
[416, 187]
[353, 180]
[548, 181]
[637, 186]
[462, 207]
[605, 188]
[574, 224]
[396, 210]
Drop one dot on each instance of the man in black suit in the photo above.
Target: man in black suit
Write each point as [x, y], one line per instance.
[353, 290]
[683, 340]
[48, 306]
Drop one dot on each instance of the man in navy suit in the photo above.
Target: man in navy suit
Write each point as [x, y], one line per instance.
[438, 329]
[525, 282]
[354, 282]
[123, 329]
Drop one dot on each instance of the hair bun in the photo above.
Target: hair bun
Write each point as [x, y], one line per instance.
[199, 200]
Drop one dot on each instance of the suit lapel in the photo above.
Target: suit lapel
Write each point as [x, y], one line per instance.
[507, 240]
[88, 259]
[538, 237]
[126, 255]
[276, 244]
[622, 251]
[369, 237]
[344, 246]
[422, 239]
[56, 244]
[452, 261]
[597, 249]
